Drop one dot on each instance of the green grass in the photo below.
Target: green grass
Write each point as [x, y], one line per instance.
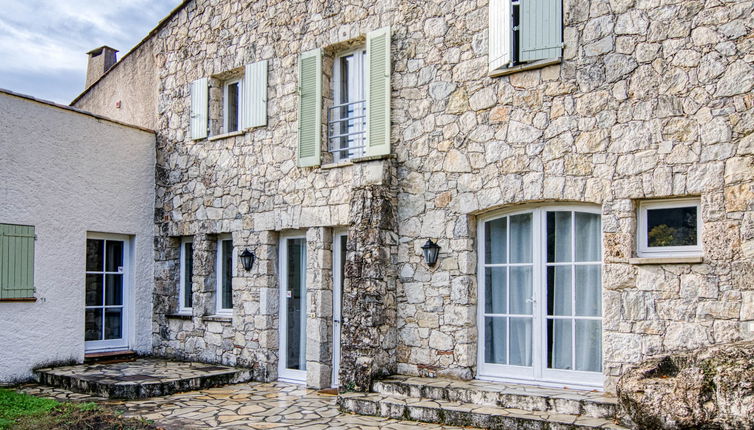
[15, 405]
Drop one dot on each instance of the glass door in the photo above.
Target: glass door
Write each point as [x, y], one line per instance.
[540, 296]
[292, 365]
[339, 265]
[105, 294]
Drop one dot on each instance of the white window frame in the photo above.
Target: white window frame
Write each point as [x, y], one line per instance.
[239, 109]
[337, 310]
[644, 250]
[183, 310]
[285, 374]
[219, 284]
[336, 85]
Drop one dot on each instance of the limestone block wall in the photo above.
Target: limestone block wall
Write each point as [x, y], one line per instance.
[651, 99]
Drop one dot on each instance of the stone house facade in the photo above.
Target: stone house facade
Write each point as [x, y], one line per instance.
[645, 107]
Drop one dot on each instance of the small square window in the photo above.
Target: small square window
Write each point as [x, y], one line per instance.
[670, 228]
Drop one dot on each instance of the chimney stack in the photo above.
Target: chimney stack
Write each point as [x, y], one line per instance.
[100, 61]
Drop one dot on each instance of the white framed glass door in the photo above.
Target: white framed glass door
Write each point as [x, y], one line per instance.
[106, 293]
[339, 263]
[292, 354]
[540, 314]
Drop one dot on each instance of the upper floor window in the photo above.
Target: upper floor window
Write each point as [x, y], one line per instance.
[359, 119]
[669, 228]
[524, 33]
[346, 119]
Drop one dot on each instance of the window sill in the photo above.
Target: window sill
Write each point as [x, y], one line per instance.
[219, 318]
[352, 161]
[665, 260]
[226, 135]
[180, 316]
[523, 67]
[19, 300]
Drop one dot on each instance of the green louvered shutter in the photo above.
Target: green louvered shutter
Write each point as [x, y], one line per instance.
[199, 102]
[378, 91]
[541, 29]
[16, 261]
[499, 34]
[309, 108]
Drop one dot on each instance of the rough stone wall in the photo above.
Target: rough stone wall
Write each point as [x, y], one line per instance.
[652, 99]
[133, 83]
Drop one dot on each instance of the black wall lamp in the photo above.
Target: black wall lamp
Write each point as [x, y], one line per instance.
[247, 259]
[431, 250]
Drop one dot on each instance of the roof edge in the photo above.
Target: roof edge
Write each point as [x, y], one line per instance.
[149, 35]
[73, 109]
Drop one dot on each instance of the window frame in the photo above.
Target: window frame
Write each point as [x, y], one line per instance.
[644, 250]
[182, 309]
[219, 279]
[239, 109]
[336, 88]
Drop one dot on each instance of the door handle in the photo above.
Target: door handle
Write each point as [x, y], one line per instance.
[531, 300]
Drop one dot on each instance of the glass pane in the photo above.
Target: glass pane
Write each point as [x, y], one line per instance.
[113, 290]
[558, 236]
[495, 241]
[113, 324]
[227, 274]
[114, 255]
[559, 344]
[588, 242]
[94, 255]
[188, 274]
[672, 227]
[521, 242]
[521, 290]
[559, 290]
[296, 305]
[93, 324]
[494, 340]
[495, 291]
[232, 107]
[588, 291]
[589, 345]
[94, 290]
[520, 338]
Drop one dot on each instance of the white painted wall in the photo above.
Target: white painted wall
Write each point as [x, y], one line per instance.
[68, 173]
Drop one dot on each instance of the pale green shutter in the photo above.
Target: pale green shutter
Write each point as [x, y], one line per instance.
[309, 108]
[16, 261]
[541, 29]
[378, 91]
[499, 32]
[199, 102]
[255, 95]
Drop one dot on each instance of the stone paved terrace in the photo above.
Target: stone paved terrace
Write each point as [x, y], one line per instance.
[251, 405]
[140, 378]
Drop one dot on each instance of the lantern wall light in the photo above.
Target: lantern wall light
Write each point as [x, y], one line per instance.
[431, 250]
[247, 259]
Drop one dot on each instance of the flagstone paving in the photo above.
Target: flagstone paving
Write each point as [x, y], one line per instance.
[252, 405]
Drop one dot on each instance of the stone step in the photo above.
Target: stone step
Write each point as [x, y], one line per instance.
[140, 378]
[516, 396]
[466, 414]
[110, 357]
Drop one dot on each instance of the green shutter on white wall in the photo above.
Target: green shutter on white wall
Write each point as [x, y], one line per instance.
[541, 29]
[199, 102]
[378, 91]
[255, 95]
[499, 33]
[16, 261]
[309, 108]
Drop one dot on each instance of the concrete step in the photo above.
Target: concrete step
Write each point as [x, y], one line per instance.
[591, 404]
[140, 378]
[466, 414]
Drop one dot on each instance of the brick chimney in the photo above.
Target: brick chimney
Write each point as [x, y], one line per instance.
[100, 61]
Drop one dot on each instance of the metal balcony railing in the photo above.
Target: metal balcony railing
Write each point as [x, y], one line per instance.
[346, 130]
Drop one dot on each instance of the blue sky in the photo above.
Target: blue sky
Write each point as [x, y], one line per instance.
[43, 43]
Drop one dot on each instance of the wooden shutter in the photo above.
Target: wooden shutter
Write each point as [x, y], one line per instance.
[255, 95]
[16, 261]
[499, 33]
[199, 101]
[309, 108]
[378, 91]
[541, 29]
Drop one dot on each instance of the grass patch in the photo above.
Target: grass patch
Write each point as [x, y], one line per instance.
[24, 412]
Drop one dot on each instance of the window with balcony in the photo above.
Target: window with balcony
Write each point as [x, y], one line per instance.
[346, 119]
